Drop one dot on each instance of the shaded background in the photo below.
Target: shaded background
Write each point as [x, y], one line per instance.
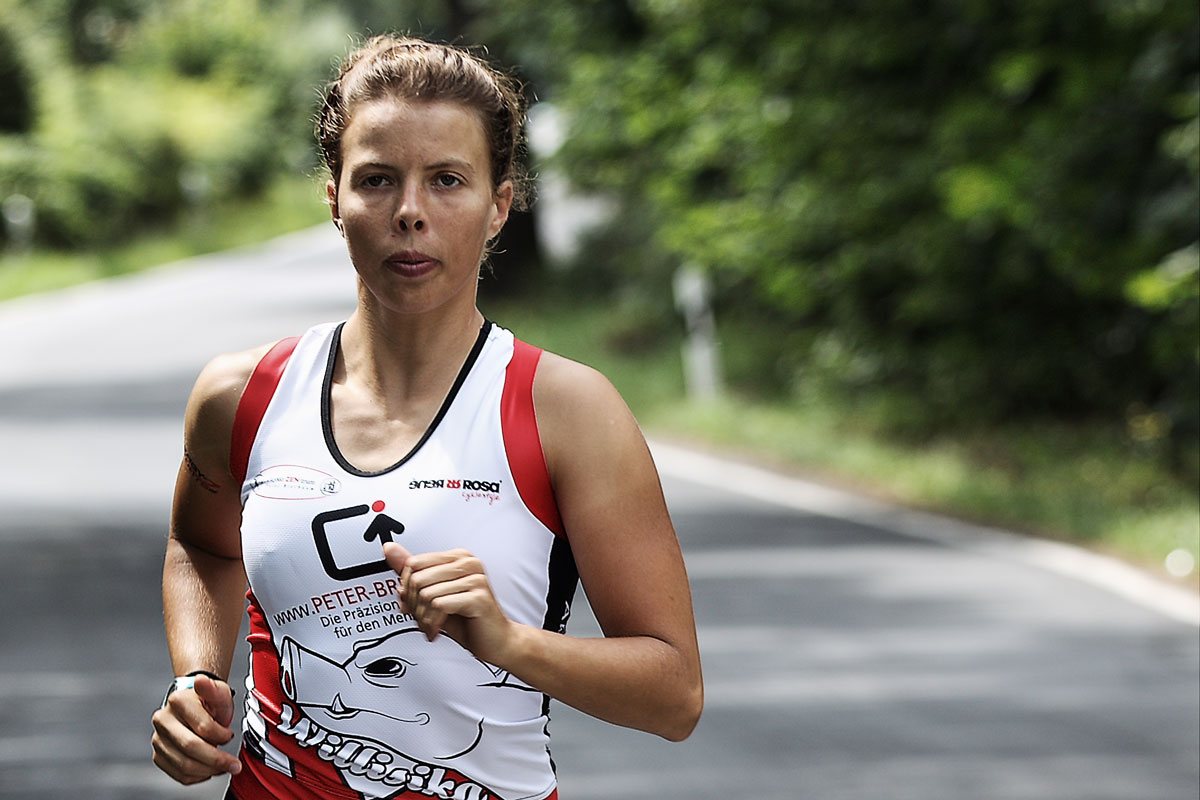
[961, 227]
[976, 212]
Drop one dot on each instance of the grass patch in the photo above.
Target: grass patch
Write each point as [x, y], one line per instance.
[289, 204]
[1084, 484]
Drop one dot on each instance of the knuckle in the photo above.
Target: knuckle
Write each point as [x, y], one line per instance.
[205, 729]
[196, 749]
[177, 701]
[161, 722]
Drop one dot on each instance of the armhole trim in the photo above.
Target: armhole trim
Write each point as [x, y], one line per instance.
[260, 388]
[522, 444]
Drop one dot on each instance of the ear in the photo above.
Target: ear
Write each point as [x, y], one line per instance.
[502, 201]
[331, 194]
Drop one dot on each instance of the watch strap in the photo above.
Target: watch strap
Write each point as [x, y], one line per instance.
[189, 682]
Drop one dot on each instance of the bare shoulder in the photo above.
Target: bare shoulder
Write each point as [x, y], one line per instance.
[206, 512]
[214, 399]
[562, 384]
[582, 418]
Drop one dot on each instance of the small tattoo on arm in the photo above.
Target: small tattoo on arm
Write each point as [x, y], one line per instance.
[200, 477]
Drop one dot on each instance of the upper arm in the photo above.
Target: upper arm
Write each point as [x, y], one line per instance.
[612, 506]
[207, 508]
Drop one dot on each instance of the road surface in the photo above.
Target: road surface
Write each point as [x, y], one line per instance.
[851, 651]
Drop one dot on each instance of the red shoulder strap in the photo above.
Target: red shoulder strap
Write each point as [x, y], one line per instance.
[521, 441]
[253, 404]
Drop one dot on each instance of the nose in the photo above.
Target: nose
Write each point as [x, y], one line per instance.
[322, 678]
[410, 214]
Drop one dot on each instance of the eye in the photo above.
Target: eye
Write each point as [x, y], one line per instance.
[447, 180]
[389, 667]
[375, 181]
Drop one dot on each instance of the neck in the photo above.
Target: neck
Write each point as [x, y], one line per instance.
[405, 358]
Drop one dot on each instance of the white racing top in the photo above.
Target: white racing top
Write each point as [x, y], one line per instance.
[346, 698]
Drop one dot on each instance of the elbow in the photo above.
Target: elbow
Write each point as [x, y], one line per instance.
[685, 715]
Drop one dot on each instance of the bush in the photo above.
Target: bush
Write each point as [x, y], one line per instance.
[191, 102]
[16, 101]
[969, 207]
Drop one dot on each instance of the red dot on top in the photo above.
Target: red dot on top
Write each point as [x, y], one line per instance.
[378, 505]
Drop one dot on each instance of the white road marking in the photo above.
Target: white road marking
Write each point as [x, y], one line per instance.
[1114, 576]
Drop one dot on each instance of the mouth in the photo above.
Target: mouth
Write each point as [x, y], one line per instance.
[338, 710]
[411, 263]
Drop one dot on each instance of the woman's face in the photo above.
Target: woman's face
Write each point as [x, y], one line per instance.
[415, 202]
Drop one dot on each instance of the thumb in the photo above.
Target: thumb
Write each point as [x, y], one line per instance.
[217, 699]
[396, 556]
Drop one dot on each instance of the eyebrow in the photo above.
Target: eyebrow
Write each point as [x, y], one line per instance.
[452, 163]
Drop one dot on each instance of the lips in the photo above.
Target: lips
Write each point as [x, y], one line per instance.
[411, 263]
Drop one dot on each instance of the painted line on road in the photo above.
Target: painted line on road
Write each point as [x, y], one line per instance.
[1114, 576]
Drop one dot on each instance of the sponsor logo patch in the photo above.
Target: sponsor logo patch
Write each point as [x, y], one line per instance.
[346, 544]
[294, 482]
[469, 489]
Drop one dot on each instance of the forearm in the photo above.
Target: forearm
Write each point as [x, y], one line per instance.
[635, 681]
[203, 599]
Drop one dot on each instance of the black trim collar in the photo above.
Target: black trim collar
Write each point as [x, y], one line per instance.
[327, 419]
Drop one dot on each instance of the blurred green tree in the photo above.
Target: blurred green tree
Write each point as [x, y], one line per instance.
[16, 96]
[986, 209]
[139, 110]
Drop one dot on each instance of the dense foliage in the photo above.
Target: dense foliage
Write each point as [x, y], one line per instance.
[120, 114]
[987, 210]
[938, 213]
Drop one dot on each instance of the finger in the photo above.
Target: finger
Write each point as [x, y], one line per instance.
[431, 624]
[183, 752]
[443, 571]
[454, 571]
[423, 561]
[428, 618]
[395, 556]
[399, 560]
[436, 595]
[217, 697]
[172, 760]
[467, 597]
[189, 709]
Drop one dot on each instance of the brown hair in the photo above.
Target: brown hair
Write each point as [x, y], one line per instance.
[414, 69]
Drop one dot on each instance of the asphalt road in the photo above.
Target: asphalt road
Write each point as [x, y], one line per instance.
[851, 650]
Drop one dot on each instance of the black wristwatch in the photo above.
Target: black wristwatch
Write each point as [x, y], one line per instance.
[189, 681]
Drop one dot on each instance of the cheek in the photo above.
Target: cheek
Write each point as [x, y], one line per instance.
[359, 219]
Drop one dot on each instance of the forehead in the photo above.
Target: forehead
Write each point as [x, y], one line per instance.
[436, 129]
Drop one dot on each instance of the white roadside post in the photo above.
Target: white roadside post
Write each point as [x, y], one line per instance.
[701, 365]
[20, 222]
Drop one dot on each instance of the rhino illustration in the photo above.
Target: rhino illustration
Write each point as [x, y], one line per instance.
[417, 698]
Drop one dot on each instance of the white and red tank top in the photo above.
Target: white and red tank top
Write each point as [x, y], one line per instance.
[346, 698]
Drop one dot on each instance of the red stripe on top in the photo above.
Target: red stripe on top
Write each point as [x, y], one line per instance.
[522, 444]
[313, 778]
[253, 404]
